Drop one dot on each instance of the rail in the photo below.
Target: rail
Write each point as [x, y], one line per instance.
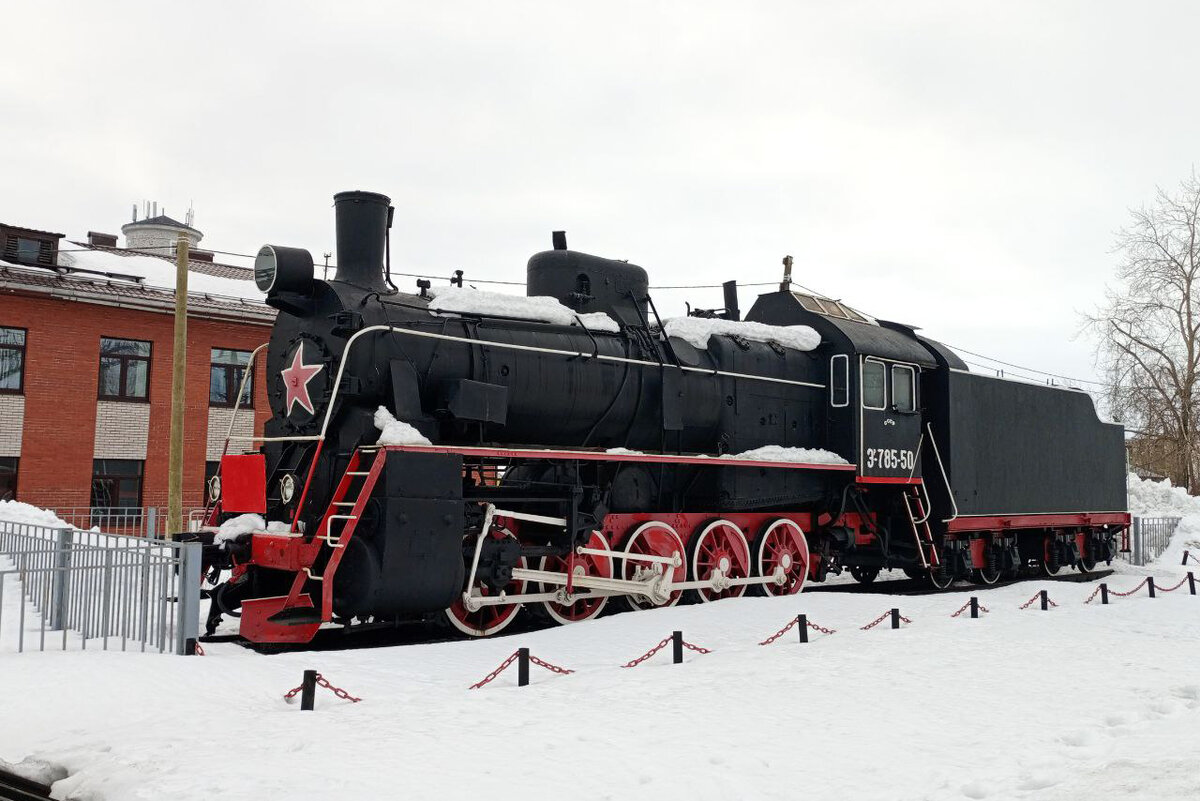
[71, 588]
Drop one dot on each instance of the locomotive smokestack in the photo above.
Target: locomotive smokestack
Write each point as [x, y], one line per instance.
[362, 225]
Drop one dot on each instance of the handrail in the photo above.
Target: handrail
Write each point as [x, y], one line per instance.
[945, 478]
[249, 371]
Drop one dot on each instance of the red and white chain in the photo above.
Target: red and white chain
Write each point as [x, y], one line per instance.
[648, 654]
[967, 606]
[697, 648]
[552, 668]
[1092, 597]
[497, 671]
[781, 632]
[821, 629]
[1029, 603]
[882, 618]
[1131, 592]
[323, 682]
[1182, 581]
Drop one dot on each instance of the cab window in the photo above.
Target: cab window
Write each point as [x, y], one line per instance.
[839, 380]
[904, 389]
[874, 376]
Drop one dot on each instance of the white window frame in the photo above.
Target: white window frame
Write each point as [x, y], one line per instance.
[862, 374]
[846, 359]
[912, 374]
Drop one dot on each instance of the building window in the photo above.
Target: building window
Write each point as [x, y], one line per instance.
[904, 389]
[839, 380]
[8, 478]
[12, 360]
[225, 376]
[116, 483]
[874, 378]
[124, 369]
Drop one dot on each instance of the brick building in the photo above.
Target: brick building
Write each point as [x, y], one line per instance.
[86, 334]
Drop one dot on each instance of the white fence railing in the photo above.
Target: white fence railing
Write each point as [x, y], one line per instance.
[1148, 538]
[72, 588]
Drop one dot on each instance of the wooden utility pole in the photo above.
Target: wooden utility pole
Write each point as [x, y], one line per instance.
[178, 372]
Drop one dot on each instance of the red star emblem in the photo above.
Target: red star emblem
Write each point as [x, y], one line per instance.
[296, 378]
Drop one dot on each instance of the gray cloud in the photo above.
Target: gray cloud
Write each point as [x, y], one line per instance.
[960, 166]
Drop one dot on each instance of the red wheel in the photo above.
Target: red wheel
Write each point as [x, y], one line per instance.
[781, 551]
[487, 620]
[585, 607]
[653, 538]
[722, 546]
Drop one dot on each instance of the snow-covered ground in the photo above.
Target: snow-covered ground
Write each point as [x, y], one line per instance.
[1082, 701]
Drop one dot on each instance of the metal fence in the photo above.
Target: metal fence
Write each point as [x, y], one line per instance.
[138, 521]
[70, 588]
[1148, 538]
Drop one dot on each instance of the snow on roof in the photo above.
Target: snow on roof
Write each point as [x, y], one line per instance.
[157, 272]
[697, 330]
[460, 300]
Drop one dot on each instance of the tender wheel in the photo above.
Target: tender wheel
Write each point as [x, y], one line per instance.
[487, 620]
[864, 575]
[720, 546]
[940, 577]
[781, 550]
[991, 571]
[653, 538]
[1050, 562]
[585, 607]
[1087, 558]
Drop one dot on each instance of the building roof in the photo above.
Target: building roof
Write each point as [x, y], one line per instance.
[127, 293]
[29, 230]
[204, 267]
[161, 219]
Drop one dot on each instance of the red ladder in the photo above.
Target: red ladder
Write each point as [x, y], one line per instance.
[347, 504]
[918, 518]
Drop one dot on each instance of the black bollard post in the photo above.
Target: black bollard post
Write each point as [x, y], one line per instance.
[974, 606]
[189, 646]
[895, 618]
[308, 689]
[1045, 600]
[677, 646]
[522, 667]
[1185, 555]
[1104, 594]
[1150, 584]
[802, 624]
[1191, 582]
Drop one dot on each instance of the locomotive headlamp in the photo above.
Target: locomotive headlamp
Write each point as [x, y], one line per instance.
[283, 269]
[287, 488]
[214, 488]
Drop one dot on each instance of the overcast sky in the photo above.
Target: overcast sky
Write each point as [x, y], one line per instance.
[957, 165]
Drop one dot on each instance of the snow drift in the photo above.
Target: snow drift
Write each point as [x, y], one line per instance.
[459, 300]
[697, 331]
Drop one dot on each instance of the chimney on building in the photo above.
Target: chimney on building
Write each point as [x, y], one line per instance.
[101, 240]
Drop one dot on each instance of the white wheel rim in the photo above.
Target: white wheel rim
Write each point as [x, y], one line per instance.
[734, 592]
[776, 589]
[637, 600]
[552, 608]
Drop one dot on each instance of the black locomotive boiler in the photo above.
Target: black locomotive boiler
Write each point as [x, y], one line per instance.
[601, 457]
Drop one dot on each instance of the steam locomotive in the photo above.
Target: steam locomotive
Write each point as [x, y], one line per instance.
[607, 459]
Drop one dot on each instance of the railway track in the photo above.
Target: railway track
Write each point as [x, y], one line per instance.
[425, 632]
[17, 788]
[922, 587]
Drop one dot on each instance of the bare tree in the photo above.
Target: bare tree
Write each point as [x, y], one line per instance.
[1149, 330]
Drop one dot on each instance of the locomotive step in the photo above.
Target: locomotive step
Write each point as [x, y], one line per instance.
[296, 616]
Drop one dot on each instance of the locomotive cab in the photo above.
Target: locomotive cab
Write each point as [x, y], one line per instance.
[874, 405]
